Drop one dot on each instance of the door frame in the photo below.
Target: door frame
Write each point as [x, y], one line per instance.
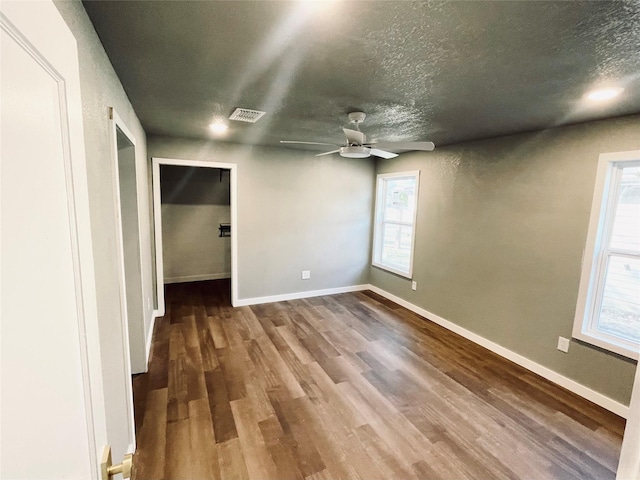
[157, 222]
[115, 124]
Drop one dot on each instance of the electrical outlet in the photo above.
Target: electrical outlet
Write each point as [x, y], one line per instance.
[414, 286]
[306, 274]
[563, 344]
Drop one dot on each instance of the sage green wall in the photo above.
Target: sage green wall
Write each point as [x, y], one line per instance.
[295, 212]
[501, 227]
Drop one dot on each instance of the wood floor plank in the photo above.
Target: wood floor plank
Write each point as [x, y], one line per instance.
[178, 467]
[231, 460]
[294, 344]
[284, 375]
[233, 360]
[257, 457]
[280, 448]
[224, 425]
[149, 459]
[350, 386]
[601, 444]
[177, 408]
[204, 454]
[383, 462]
[344, 411]
[217, 332]
[291, 415]
[159, 355]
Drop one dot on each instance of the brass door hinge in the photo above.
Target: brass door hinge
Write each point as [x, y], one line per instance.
[107, 470]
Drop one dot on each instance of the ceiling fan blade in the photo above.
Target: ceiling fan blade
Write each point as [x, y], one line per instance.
[382, 153]
[354, 136]
[327, 153]
[423, 146]
[307, 143]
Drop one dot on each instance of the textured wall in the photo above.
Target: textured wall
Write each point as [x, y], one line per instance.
[501, 227]
[192, 250]
[295, 212]
[101, 89]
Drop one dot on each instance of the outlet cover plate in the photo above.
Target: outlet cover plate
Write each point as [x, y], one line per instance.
[306, 274]
[414, 286]
[563, 344]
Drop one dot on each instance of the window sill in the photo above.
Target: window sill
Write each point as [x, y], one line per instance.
[610, 344]
[389, 269]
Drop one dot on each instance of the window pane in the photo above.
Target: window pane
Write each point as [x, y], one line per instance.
[626, 223]
[620, 309]
[400, 199]
[396, 246]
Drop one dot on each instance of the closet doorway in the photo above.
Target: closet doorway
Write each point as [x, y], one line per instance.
[196, 203]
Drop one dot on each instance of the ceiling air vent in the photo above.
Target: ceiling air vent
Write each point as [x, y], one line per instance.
[246, 115]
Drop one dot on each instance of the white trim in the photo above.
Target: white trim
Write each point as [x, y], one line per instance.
[197, 278]
[157, 220]
[299, 295]
[571, 385]
[583, 328]
[152, 325]
[629, 464]
[381, 194]
[157, 224]
[115, 123]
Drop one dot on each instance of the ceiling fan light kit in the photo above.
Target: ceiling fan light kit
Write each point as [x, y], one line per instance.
[357, 147]
[355, 151]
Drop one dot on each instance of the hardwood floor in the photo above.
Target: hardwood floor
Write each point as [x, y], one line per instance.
[349, 386]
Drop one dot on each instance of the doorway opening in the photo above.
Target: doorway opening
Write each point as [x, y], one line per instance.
[195, 220]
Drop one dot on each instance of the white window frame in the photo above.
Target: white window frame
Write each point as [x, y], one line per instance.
[596, 252]
[379, 221]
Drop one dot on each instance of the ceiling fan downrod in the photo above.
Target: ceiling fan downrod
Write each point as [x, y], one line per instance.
[357, 118]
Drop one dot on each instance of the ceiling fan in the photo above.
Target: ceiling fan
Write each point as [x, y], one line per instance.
[356, 145]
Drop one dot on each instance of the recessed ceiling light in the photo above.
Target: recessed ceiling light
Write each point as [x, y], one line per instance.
[604, 93]
[218, 128]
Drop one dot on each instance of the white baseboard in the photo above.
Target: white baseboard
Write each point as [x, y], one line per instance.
[243, 302]
[571, 385]
[197, 278]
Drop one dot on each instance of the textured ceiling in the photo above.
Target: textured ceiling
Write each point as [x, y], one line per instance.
[440, 71]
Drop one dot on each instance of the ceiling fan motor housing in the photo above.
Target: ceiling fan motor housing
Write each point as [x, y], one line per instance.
[355, 151]
[357, 117]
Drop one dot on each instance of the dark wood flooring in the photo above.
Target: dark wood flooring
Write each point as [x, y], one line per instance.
[349, 386]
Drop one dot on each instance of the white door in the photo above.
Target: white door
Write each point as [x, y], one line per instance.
[53, 410]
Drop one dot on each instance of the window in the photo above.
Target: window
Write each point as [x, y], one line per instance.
[394, 230]
[608, 310]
